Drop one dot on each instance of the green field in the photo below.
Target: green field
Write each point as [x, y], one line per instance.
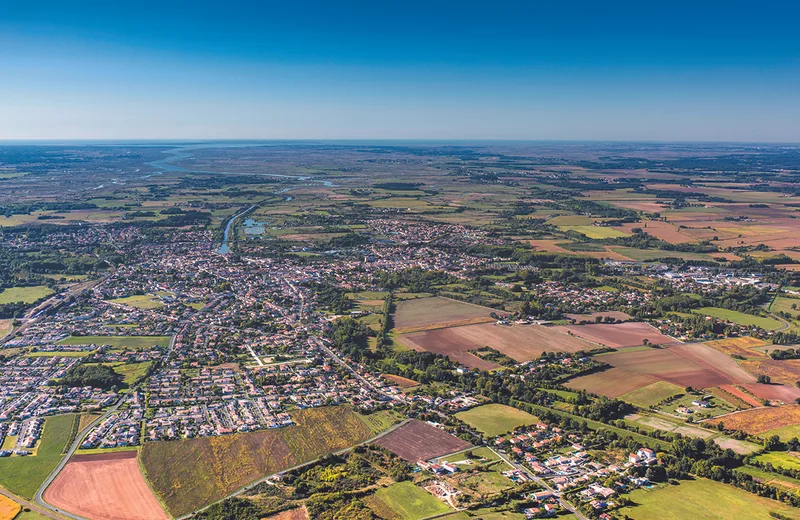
[705, 499]
[651, 394]
[496, 419]
[24, 475]
[485, 514]
[644, 255]
[381, 421]
[130, 342]
[779, 459]
[143, 301]
[788, 483]
[410, 502]
[131, 371]
[211, 468]
[24, 294]
[79, 354]
[595, 231]
[739, 317]
[784, 304]
[785, 433]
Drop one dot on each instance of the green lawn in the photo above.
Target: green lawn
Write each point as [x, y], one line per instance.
[143, 301]
[24, 294]
[410, 502]
[739, 317]
[131, 342]
[651, 394]
[24, 475]
[496, 419]
[704, 499]
[780, 459]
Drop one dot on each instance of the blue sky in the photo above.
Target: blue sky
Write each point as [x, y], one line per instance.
[432, 70]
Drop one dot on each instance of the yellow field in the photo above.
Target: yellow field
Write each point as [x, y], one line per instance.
[744, 347]
[8, 508]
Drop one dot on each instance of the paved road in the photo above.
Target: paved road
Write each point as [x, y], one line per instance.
[75, 445]
[350, 369]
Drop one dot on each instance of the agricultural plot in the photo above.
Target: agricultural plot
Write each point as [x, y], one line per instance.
[705, 499]
[618, 335]
[785, 393]
[24, 475]
[417, 440]
[5, 327]
[119, 342]
[105, 487]
[188, 474]
[664, 230]
[739, 318]
[595, 231]
[8, 508]
[409, 502]
[759, 421]
[425, 312]
[402, 382]
[785, 371]
[780, 459]
[143, 301]
[646, 255]
[592, 316]
[496, 419]
[24, 294]
[519, 342]
[668, 424]
[744, 347]
[651, 394]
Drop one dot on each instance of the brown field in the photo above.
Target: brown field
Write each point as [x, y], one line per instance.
[784, 393]
[430, 311]
[444, 325]
[519, 342]
[105, 487]
[741, 395]
[638, 205]
[683, 365]
[659, 229]
[785, 372]
[293, 514]
[549, 246]
[744, 347]
[628, 334]
[421, 441]
[760, 420]
[618, 315]
[402, 382]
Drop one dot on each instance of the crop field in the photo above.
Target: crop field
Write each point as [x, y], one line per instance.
[668, 424]
[5, 327]
[8, 508]
[651, 394]
[191, 473]
[596, 231]
[739, 318]
[758, 421]
[24, 475]
[496, 419]
[618, 335]
[705, 499]
[785, 393]
[590, 317]
[417, 440]
[410, 502]
[785, 433]
[24, 294]
[105, 487]
[664, 230]
[785, 371]
[143, 301]
[645, 255]
[682, 365]
[744, 347]
[402, 382]
[423, 312]
[519, 342]
[127, 342]
[780, 459]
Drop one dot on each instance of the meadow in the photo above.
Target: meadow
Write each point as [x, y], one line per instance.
[24, 294]
[496, 419]
[410, 502]
[739, 318]
[651, 394]
[129, 342]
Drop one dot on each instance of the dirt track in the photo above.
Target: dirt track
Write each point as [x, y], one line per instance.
[105, 487]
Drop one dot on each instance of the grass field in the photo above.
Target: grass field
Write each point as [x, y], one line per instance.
[410, 502]
[5, 327]
[595, 231]
[739, 317]
[788, 483]
[381, 421]
[131, 371]
[651, 394]
[130, 342]
[703, 499]
[187, 474]
[143, 301]
[24, 294]
[780, 459]
[24, 475]
[78, 354]
[786, 433]
[496, 419]
[484, 514]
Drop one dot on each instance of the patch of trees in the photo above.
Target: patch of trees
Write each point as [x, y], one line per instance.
[92, 374]
[398, 186]
[788, 353]
[232, 509]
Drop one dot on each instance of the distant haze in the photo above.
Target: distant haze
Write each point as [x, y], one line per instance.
[680, 71]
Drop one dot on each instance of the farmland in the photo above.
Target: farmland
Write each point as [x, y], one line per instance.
[496, 419]
[761, 420]
[628, 334]
[410, 502]
[780, 459]
[693, 499]
[521, 343]
[24, 475]
[8, 508]
[105, 487]
[739, 317]
[119, 342]
[144, 301]
[744, 346]
[188, 474]
[24, 294]
[651, 394]
[421, 441]
[425, 312]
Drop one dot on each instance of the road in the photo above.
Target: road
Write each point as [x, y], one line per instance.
[75, 445]
[264, 479]
[317, 342]
[566, 505]
[30, 505]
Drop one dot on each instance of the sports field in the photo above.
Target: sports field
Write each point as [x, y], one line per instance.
[496, 419]
[24, 294]
[705, 499]
[410, 502]
[129, 342]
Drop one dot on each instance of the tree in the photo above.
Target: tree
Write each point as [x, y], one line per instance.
[764, 379]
